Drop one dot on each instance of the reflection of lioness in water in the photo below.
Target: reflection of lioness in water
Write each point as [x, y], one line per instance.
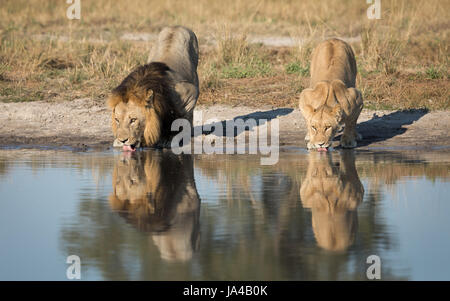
[333, 194]
[151, 97]
[156, 193]
[332, 99]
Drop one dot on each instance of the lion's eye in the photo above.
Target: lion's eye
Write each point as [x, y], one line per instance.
[117, 120]
[328, 128]
[313, 128]
[132, 120]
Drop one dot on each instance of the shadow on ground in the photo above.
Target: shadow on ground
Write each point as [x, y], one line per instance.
[387, 126]
[374, 130]
[252, 120]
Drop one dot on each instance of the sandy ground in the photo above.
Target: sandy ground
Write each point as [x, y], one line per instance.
[84, 124]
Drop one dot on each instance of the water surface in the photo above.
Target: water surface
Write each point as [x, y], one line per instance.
[158, 216]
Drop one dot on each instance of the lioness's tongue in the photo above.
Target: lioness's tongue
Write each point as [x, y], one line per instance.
[128, 148]
[322, 149]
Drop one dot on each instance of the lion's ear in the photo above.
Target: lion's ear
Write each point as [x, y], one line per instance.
[113, 100]
[149, 98]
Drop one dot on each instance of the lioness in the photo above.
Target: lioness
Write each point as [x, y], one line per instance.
[332, 99]
[152, 96]
[333, 193]
[156, 193]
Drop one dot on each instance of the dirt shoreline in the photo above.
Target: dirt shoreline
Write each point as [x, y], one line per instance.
[84, 124]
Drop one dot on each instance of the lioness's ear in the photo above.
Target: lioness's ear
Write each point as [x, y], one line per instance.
[304, 103]
[149, 98]
[337, 112]
[321, 91]
[340, 92]
[307, 111]
[346, 97]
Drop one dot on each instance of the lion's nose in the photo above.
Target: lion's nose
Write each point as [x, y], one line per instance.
[123, 140]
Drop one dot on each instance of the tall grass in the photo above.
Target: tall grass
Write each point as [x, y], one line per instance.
[43, 55]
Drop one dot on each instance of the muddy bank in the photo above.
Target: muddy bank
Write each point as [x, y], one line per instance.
[83, 124]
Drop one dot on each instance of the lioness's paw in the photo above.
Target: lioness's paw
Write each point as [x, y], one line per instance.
[347, 142]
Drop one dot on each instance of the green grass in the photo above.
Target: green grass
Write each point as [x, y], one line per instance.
[76, 67]
[20, 94]
[434, 73]
[297, 68]
[253, 68]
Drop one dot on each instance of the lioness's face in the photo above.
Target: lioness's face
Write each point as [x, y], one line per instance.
[128, 125]
[322, 127]
[333, 192]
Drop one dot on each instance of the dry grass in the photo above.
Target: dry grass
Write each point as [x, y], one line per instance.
[403, 58]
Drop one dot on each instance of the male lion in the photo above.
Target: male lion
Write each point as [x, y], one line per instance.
[333, 193]
[152, 96]
[156, 193]
[332, 99]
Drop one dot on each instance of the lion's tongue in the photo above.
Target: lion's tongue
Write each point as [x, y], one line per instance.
[322, 149]
[128, 148]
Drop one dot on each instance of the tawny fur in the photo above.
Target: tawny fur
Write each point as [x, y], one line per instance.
[332, 99]
[333, 194]
[143, 195]
[157, 93]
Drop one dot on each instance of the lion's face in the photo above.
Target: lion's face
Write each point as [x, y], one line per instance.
[148, 194]
[131, 185]
[322, 127]
[140, 105]
[129, 121]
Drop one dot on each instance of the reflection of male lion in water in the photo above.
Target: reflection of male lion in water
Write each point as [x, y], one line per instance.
[156, 193]
[151, 97]
[332, 98]
[333, 194]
